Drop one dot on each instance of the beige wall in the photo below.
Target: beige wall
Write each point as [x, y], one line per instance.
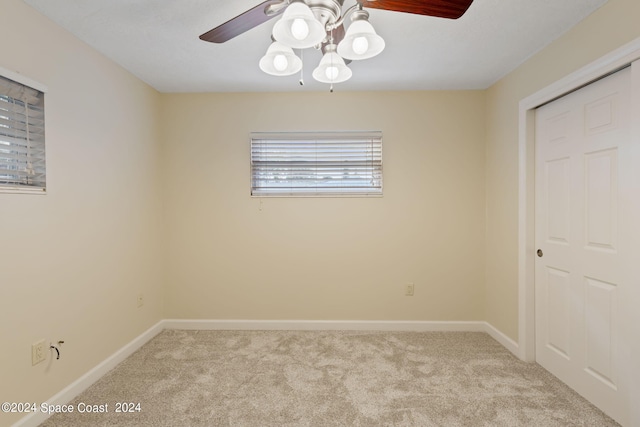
[613, 25]
[73, 261]
[233, 257]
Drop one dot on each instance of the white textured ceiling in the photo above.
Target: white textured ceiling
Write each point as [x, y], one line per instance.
[157, 40]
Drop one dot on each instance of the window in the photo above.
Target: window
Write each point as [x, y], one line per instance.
[22, 157]
[316, 164]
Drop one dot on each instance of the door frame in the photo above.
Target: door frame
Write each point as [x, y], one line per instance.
[610, 63]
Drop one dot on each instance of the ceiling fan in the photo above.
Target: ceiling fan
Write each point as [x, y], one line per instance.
[320, 24]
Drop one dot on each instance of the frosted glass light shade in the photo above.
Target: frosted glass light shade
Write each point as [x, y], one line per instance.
[291, 29]
[280, 61]
[332, 68]
[360, 41]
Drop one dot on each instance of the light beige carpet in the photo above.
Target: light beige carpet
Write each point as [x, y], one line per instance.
[276, 378]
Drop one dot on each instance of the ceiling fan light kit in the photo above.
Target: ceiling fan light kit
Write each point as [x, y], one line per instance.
[311, 23]
[332, 68]
[320, 24]
[361, 40]
[280, 60]
[298, 28]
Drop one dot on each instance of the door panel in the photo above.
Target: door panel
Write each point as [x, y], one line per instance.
[558, 219]
[601, 207]
[600, 317]
[558, 325]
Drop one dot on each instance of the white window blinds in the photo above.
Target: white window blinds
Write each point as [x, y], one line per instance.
[316, 164]
[22, 156]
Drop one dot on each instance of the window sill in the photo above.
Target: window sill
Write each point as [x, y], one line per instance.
[13, 190]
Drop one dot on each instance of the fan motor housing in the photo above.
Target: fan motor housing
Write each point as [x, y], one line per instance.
[326, 11]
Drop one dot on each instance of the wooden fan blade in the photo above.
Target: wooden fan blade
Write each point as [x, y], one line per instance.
[241, 23]
[452, 9]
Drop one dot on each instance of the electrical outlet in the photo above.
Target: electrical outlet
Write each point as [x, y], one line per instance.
[38, 352]
[140, 300]
[408, 289]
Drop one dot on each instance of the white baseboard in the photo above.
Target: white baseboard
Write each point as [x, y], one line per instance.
[81, 384]
[325, 325]
[345, 325]
[67, 394]
[506, 342]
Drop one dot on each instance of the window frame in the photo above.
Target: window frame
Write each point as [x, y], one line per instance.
[24, 81]
[314, 137]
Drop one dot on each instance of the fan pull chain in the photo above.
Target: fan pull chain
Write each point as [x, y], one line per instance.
[331, 42]
[302, 68]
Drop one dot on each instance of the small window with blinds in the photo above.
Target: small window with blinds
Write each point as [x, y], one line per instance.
[22, 156]
[316, 164]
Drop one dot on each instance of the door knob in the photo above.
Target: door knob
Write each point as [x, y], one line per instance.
[539, 252]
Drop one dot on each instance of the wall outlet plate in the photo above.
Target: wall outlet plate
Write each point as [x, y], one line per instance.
[38, 352]
[408, 289]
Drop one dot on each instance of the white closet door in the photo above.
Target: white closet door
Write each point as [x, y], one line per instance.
[584, 239]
